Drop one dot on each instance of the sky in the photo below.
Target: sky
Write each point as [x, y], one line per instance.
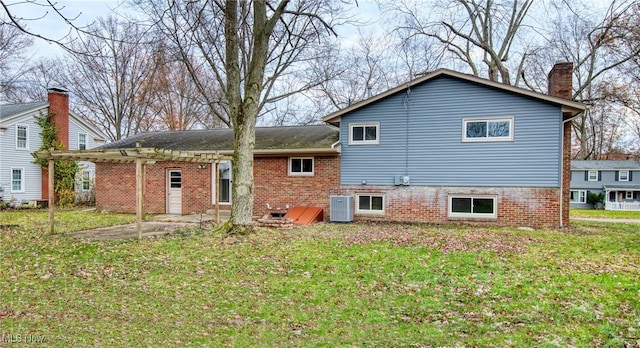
[43, 20]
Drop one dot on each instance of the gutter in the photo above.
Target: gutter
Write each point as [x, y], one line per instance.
[274, 152]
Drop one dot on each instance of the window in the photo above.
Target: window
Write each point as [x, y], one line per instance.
[364, 133]
[82, 141]
[578, 196]
[629, 195]
[488, 129]
[473, 207]
[592, 175]
[86, 181]
[623, 175]
[301, 166]
[17, 180]
[370, 203]
[22, 138]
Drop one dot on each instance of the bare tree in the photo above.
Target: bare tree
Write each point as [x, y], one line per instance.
[13, 61]
[601, 46]
[246, 47]
[113, 84]
[482, 34]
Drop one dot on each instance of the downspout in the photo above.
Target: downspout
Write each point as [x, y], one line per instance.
[562, 164]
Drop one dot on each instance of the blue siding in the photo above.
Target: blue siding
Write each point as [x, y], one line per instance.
[607, 178]
[436, 155]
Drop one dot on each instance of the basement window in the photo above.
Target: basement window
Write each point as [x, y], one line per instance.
[484, 207]
[370, 203]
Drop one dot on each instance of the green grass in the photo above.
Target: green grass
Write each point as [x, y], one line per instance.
[607, 214]
[325, 285]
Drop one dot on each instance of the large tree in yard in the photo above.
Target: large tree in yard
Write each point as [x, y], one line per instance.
[239, 53]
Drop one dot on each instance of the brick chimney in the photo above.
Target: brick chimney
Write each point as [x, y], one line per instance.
[560, 85]
[559, 79]
[59, 113]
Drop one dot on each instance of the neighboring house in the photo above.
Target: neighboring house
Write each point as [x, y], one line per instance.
[618, 180]
[21, 180]
[441, 148]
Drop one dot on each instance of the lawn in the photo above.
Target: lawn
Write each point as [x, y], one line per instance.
[324, 285]
[606, 214]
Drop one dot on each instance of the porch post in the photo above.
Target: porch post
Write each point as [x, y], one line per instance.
[51, 194]
[139, 196]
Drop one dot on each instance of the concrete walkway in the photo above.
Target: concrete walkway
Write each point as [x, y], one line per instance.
[155, 225]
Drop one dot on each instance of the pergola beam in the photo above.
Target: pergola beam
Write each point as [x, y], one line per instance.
[139, 155]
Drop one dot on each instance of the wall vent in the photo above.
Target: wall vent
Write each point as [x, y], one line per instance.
[341, 209]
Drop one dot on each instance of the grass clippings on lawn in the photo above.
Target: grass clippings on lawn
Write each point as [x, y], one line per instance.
[326, 284]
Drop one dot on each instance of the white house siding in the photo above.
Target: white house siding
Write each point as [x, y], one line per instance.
[16, 158]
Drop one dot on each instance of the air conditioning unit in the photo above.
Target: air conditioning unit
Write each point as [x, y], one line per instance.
[341, 209]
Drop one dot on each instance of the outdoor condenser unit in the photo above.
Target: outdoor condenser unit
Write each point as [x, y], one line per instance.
[341, 209]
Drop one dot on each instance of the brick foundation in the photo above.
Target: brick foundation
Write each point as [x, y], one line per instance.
[532, 207]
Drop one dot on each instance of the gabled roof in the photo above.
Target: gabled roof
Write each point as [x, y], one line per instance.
[12, 112]
[568, 106]
[9, 111]
[605, 165]
[269, 140]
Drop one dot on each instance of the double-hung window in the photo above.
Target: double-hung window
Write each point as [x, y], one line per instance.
[364, 133]
[86, 180]
[82, 141]
[623, 175]
[17, 180]
[370, 203]
[22, 137]
[301, 166]
[487, 129]
[578, 196]
[592, 175]
[473, 207]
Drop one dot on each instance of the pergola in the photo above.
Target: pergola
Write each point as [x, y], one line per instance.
[141, 156]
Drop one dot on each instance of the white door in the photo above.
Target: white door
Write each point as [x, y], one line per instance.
[174, 191]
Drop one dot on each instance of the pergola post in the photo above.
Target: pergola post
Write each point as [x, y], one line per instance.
[216, 192]
[51, 194]
[139, 196]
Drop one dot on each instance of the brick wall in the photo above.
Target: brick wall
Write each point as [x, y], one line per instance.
[533, 207]
[560, 85]
[115, 185]
[273, 185]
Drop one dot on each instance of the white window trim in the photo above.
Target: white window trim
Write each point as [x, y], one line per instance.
[26, 143]
[473, 215]
[82, 181]
[85, 141]
[22, 180]
[487, 119]
[582, 196]
[214, 179]
[626, 178]
[628, 195]
[369, 212]
[364, 142]
[313, 166]
[589, 175]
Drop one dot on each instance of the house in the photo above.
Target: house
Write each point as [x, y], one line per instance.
[444, 147]
[21, 180]
[617, 180]
[292, 166]
[450, 147]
